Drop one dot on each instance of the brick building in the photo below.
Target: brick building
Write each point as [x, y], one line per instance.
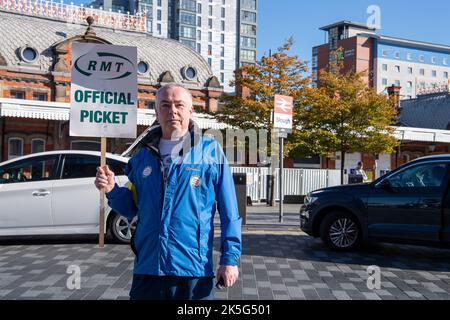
[429, 116]
[414, 71]
[35, 66]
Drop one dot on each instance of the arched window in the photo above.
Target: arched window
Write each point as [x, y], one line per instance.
[15, 147]
[37, 145]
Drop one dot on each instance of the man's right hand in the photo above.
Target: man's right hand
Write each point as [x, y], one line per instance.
[104, 180]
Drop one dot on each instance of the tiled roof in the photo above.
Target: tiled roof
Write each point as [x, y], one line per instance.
[161, 55]
[428, 111]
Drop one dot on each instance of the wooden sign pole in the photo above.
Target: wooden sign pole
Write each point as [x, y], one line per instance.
[101, 238]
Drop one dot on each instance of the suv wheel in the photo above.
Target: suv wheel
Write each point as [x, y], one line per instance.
[340, 231]
[121, 228]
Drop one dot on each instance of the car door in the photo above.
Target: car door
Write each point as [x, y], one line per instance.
[407, 204]
[446, 213]
[76, 201]
[26, 195]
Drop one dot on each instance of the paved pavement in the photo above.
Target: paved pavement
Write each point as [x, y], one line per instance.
[279, 262]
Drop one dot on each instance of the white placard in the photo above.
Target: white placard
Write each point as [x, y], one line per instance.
[103, 91]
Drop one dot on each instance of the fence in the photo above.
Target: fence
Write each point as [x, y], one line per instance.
[297, 182]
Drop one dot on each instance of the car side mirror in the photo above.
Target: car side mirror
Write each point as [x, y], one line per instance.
[385, 184]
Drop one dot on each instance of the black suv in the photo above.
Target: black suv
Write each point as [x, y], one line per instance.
[408, 205]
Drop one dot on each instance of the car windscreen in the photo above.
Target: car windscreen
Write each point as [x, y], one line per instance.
[421, 175]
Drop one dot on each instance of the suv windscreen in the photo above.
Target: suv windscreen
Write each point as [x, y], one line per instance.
[420, 176]
[30, 170]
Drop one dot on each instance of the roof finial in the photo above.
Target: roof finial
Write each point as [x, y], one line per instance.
[90, 31]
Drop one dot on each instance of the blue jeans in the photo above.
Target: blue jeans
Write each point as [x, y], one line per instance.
[146, 287]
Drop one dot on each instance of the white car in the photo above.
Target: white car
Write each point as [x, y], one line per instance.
[53, 193]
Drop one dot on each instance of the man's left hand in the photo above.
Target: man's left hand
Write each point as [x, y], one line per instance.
[229, 274]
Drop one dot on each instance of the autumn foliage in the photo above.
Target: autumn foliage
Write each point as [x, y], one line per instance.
[342, 114]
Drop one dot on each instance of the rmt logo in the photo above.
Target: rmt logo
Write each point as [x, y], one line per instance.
[104, 66]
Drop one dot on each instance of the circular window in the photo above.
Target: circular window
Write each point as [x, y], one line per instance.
[189, 73]
[29, 54]
[142, 67]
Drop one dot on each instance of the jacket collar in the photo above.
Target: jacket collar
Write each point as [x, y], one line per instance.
[153, 137]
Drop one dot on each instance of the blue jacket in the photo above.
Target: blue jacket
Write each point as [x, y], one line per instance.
[175, 229]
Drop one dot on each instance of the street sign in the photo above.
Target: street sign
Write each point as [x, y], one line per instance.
[282, 134]
[103, 91]
[282, 121]
[283, 110]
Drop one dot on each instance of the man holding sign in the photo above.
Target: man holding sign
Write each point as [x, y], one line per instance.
[177, 181]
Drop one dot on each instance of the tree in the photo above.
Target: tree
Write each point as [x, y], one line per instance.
[345, 115]
[278, 73]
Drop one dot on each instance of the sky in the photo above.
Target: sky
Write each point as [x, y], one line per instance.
[410, 19]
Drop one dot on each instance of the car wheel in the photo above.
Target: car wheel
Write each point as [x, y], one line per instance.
[340, 231]
[121, 228]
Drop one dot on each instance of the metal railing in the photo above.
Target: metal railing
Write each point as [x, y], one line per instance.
[76, 14]
[297, 182]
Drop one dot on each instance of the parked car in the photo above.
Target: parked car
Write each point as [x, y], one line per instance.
[53, 193]
[408, 205]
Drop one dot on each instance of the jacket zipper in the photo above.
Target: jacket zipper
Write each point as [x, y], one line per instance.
[163, 183]
[163, 192]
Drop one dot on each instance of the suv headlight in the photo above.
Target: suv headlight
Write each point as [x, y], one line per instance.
[309, 199]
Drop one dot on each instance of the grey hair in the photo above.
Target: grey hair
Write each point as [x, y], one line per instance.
[172, 86]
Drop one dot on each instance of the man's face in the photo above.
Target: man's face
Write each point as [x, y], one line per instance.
[174, 110]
